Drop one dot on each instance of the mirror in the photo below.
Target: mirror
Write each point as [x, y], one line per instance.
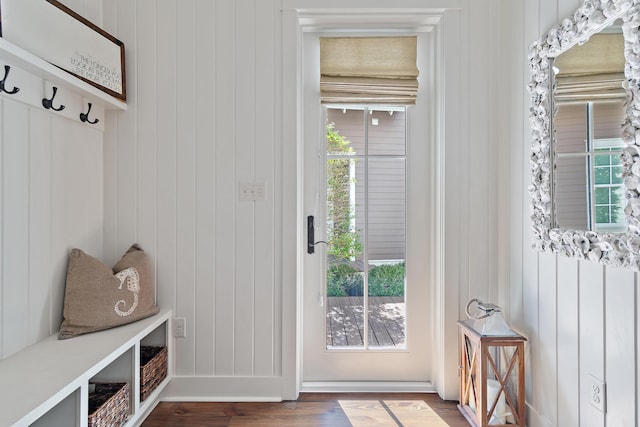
[585, 115]
[588, 104]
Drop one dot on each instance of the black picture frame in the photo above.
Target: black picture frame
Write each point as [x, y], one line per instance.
[52, 31]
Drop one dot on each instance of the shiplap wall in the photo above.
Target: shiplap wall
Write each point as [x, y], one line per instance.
[203, 91]
[51, 200]
[581, 318]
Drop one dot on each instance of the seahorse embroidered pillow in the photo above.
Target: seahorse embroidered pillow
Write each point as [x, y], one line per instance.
[98, 297]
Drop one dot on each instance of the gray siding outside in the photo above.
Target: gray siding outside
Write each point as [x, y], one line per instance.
[387, 183]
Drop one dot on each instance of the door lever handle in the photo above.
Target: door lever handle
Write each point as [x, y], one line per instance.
[311, 243]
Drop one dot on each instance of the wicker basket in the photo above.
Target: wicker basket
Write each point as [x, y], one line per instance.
[153, 369]
[108, 404]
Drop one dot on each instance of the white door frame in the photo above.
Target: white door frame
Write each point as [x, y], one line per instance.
[445, 24]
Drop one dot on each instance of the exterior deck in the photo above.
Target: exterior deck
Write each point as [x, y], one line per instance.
[345, 322]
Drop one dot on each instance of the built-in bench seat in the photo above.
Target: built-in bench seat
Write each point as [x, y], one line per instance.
[48, 383]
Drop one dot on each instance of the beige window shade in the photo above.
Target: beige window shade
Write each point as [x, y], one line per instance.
[597, 87]
[368, 70]
[592, 71]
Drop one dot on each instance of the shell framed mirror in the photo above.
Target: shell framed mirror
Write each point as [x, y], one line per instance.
[585, 128]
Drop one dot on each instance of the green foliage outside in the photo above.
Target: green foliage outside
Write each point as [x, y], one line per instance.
[387, 280]
[344, 241]
[344, 280]
[384, 280]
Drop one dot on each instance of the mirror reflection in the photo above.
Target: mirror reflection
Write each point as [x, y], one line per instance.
[589, 105]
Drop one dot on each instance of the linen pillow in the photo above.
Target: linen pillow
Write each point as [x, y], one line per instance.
[98, 297]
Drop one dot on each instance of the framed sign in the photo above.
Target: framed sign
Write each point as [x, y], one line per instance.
[55, 33]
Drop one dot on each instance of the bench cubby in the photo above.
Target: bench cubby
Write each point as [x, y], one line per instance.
[47, 384]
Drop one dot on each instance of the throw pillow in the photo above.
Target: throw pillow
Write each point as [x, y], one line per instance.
[98, 297]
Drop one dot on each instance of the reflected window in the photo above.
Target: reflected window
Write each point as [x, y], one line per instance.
[588, 186]
[608, 189]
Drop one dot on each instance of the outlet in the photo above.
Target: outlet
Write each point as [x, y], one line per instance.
[250, 191]
[180, 327]
[597, 393]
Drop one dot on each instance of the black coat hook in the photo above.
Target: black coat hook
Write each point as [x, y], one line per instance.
[84, 117]
[48, 103]
[7, 68]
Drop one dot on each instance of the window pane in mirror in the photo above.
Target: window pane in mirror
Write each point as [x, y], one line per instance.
[571, 128]
[603, 214]
[602, 176]
[588, 193]
[607, 119]
[571, 197]
[603, 196]
[602, 161]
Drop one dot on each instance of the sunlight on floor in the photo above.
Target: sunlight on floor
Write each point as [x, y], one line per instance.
[392, 413]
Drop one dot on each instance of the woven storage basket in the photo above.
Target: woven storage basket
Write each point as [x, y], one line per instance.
[109, 405]
[153, 369]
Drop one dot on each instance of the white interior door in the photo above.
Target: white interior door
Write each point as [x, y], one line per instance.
[366, 292]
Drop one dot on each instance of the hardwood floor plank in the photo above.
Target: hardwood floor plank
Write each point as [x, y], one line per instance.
[314, 410]
[365, 413]
[410, 413]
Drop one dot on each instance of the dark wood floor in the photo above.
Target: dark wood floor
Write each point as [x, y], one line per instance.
[315, 409]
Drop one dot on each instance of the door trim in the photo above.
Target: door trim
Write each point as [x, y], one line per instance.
[446, 27]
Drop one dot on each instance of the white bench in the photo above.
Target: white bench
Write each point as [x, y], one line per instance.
[47, 384]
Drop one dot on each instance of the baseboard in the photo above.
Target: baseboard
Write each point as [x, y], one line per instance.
[269, 389]
[535, 419]
[144, 414]
[223, 389]
[368, 387]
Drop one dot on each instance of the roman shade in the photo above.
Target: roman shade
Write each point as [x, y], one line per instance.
[368, 70]
[593, 71]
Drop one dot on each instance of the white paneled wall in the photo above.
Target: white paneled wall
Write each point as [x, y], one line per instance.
[202, 88]
[51, 200]
[581, 318]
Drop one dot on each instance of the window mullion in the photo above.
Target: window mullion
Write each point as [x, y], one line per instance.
[591, 203]
[365, 251]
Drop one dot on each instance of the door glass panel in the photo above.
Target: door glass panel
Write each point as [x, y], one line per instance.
[386, 254]
[366, 222]
[345, 136]
[345, 273]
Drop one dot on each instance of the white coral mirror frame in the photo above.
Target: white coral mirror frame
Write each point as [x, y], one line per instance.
[616, 249]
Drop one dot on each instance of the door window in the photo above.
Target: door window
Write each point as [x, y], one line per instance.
[366, 227]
